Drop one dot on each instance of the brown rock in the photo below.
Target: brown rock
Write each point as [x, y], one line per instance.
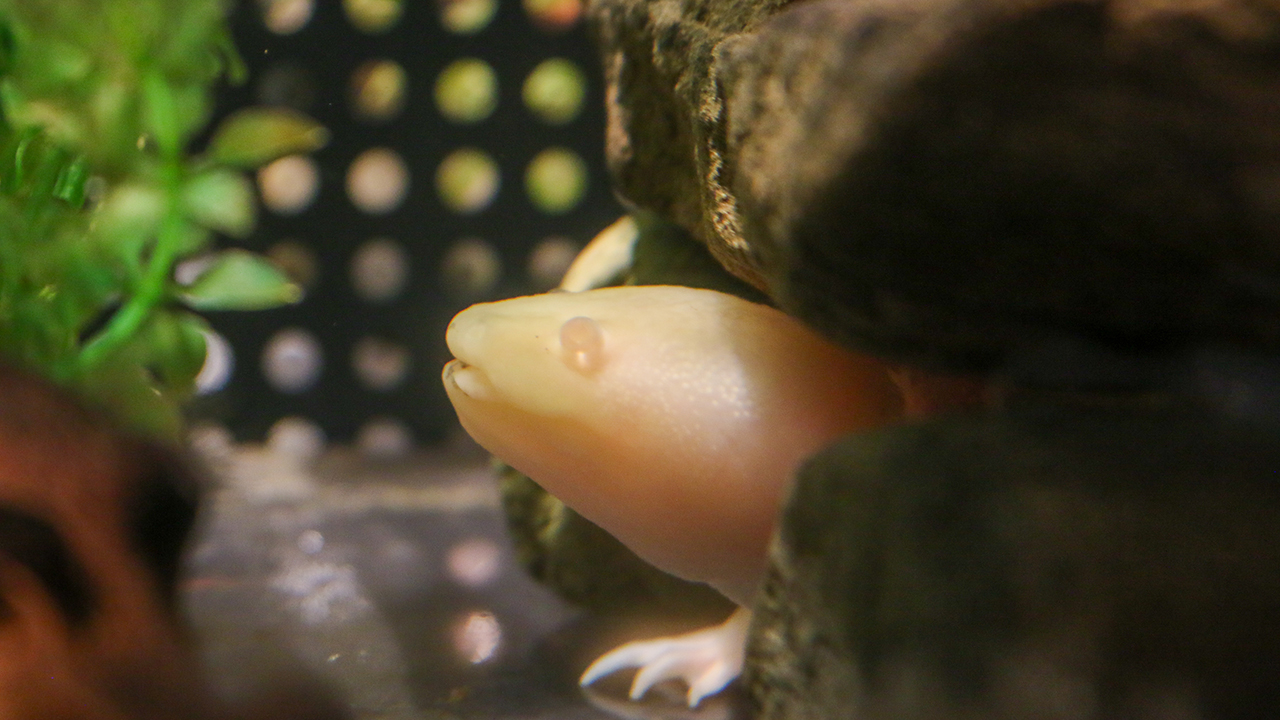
[952, 182]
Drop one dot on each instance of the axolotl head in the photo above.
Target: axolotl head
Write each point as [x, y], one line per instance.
[537, 354]
[663, 365]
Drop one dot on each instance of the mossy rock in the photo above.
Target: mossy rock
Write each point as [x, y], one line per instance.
[1046, 560]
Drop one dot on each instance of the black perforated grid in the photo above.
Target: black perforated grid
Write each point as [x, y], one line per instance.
[311, 68]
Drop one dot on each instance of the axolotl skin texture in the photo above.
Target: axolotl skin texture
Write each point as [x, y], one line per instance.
[672, 417]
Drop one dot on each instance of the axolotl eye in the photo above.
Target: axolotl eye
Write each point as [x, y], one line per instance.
[582, 344]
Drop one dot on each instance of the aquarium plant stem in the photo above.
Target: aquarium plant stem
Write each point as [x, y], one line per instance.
[135, 312]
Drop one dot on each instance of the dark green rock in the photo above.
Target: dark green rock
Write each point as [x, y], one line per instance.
[1078, 197]
[1035, 562]
[950, 182]
[665, 135]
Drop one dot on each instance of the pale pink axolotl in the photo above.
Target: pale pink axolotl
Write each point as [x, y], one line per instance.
[672, 417]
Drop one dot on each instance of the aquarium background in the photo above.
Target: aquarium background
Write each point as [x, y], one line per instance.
[465, 164]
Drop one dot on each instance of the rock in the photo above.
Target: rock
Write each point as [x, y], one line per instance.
[1076, 199]
[664, 140]
[1034, 562]
[951, 182]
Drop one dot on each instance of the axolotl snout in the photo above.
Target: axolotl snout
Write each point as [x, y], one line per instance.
[672, 417]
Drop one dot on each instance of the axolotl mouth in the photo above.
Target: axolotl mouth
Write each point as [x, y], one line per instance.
[467, 379]
[464, 338]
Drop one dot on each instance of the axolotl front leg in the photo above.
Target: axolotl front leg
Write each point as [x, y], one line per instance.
[674, 418]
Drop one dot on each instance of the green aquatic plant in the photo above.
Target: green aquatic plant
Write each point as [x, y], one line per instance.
[102, 196]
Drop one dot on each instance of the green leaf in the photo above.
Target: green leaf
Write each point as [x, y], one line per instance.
[237, 72]
[222, 200]
[130, 215]
[176, 341]
[255, 136]
[126, 389]
[161, 114]
[7, 45]
[240, 280]
[70, 185]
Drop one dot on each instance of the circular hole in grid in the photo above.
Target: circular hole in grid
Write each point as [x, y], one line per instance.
[377, 181]
[467, 90]
[384, 439]
[373, 16]
[471, 268]
[285, 17]
[555, 90]
[553, 15]
[556, 180]
[296, 437]
[468, 180]
[378, 90]
[219, 364]
[290, 184]
[292, 360]
[467, 17]
[297, 261]
[549, 260]
[287, 84]
[379, 270]
[380, 364]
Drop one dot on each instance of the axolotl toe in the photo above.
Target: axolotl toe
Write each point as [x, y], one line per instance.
[672, 417]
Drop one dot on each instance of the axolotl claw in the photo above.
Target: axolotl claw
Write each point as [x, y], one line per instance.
[706, 660]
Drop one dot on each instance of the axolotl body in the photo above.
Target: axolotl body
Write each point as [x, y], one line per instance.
[672, 417]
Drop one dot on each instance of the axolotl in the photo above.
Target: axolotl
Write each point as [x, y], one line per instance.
[672, 417]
